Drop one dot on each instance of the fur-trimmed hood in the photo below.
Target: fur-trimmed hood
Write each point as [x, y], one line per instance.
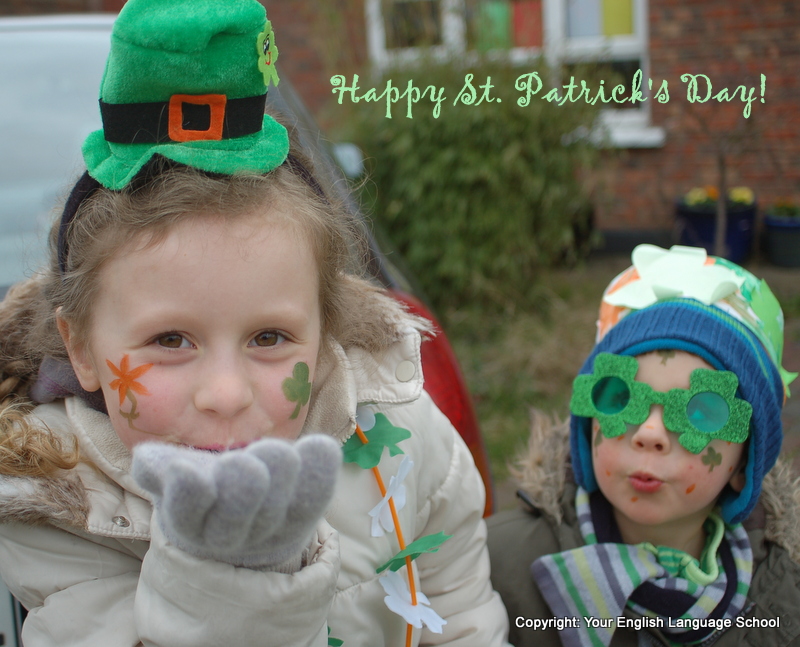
[61, 500]
[543, 472]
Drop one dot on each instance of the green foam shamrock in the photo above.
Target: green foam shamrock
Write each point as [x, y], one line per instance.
[383, 434]
[609, 367]
[334, 642]
[267, 54]
[426, 544]
[678, 414]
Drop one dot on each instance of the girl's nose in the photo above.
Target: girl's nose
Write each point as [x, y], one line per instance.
[225, 389]
[652, 435]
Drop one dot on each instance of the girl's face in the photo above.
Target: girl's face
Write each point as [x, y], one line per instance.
[660, 491]
[208, 339]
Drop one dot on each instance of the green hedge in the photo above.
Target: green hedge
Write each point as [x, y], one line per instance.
[479, 198]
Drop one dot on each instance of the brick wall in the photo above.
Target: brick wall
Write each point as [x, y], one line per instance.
[316, 40]
[732, 42]
[293, 23]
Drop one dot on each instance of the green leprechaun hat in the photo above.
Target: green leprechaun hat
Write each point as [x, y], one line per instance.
[187, 79]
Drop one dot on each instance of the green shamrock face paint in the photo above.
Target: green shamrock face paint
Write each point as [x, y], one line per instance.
[666, 355]
[712, 458]
[708, 410]
[297, 388]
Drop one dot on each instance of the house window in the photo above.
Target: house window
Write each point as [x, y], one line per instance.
[398, 30]
[613, 36]
[610, 34]
[412, 23]
[591, 18]
[504, 25]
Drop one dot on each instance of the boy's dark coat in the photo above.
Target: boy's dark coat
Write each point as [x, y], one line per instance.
[547, 524]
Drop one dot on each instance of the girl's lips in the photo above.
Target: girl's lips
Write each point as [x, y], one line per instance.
[220, 448]
[643, 482]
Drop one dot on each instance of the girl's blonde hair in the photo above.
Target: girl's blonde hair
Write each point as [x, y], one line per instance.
[354, 312]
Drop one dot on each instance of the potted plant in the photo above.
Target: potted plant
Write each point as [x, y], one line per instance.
[782, 233]
[697, 213]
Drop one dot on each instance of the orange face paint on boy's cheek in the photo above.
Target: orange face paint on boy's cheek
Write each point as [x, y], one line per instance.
[606, 460]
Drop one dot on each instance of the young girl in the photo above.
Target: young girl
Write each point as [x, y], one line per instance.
[213, 431]
[672, 526]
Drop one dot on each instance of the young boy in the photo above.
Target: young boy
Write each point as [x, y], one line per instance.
[670, 528]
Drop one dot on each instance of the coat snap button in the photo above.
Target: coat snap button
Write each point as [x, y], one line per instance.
[405, 371]
[122, 522]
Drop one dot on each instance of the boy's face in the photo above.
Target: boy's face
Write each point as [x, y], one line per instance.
[657, 487]
[209, 338]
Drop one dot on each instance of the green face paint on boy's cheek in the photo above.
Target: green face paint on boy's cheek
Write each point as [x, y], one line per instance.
[665, 355]
[126, 385]
[297, 388]
[712, 458]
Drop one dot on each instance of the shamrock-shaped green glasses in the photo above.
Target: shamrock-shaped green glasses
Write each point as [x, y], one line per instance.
[708, 410]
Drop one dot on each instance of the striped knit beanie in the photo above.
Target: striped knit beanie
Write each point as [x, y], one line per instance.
[682, 299]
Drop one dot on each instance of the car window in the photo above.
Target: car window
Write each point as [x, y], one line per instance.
[47, 107]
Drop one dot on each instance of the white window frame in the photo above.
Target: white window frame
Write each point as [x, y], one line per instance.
[629, 128]
[622, 128]
[454, 37]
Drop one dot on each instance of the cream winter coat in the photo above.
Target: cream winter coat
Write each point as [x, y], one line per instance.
[81, 554]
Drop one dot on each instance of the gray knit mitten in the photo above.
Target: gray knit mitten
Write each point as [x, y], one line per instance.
[255, 507]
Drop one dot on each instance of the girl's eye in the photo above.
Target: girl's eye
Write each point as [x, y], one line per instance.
[173, 340]
[267, 338]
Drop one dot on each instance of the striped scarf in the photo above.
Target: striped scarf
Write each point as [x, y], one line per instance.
[684, 598]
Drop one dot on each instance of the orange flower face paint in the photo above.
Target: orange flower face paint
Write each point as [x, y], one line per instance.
[690, 489]
[126, 385]
[126, 378]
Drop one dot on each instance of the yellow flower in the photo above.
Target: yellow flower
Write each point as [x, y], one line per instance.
[710, 194]
[741, 194]
[696, 196]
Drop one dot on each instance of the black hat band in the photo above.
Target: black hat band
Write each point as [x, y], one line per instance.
[183, 118]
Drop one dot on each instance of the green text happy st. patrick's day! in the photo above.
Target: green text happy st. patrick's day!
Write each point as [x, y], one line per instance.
[699, 89]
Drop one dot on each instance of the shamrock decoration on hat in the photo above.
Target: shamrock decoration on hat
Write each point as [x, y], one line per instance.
[268, 54]
[187, 79]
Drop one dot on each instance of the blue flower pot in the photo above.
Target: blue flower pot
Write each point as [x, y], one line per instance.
[782, 239]
[698, 225]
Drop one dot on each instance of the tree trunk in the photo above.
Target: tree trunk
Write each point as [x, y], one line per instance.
[721, 227]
